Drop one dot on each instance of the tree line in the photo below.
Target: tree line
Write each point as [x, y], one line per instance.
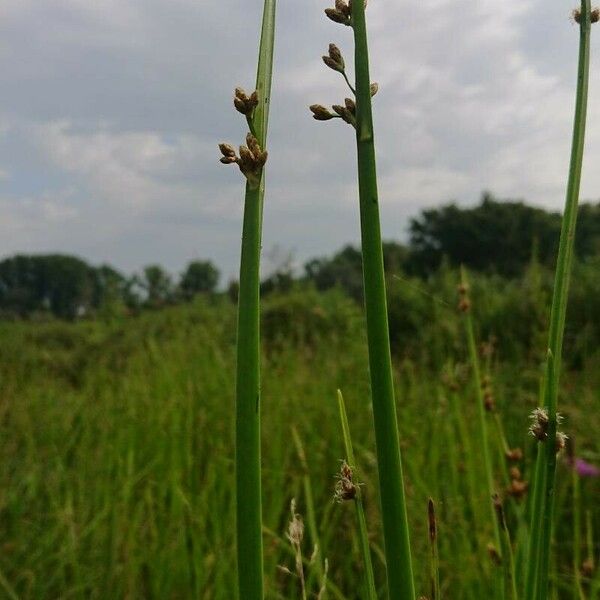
[68, 287]
[493, 237]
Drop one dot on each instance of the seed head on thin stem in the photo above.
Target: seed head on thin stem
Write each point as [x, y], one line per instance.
[540, 423]
[345, 488]
[244, 103]
[594, 15]
[514, 454]
[431, 520]
[337, 16]
[251, 159]
[320, 113]
[345, 114]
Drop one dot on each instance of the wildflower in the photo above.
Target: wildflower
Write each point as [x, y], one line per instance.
[585, 469]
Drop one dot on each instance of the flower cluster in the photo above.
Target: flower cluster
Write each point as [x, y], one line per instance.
[251, 160]
[252, 157]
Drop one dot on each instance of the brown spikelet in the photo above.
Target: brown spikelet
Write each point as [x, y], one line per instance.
[432, 520]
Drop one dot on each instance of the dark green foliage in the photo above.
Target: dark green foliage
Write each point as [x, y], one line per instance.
[495, 236]
[157, 284]
[344, 269]
[64, 285]
[199, 277]
[305, 316]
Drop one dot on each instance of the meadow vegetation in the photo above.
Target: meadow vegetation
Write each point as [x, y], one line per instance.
[117, 454]
[135, 465]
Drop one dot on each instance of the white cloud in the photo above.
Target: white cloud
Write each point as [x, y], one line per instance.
[112, 110]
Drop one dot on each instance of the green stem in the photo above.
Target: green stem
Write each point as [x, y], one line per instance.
[310, 508]
[247, 437]
[435, 556]
[391, 482]
[577, 533]
[481, 412]
[543, 521]
[348, 82]
[535, 536]
[371, 593]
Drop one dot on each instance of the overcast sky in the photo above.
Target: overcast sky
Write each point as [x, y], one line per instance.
[110, 112]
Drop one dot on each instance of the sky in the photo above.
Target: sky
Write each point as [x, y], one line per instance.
[111, 111]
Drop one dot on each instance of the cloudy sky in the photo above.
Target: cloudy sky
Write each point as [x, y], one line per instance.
[110, 112]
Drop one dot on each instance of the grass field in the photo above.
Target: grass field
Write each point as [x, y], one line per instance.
[116, 474]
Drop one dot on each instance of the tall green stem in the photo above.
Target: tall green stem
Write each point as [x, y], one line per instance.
[395, 523]
[541, 526]
[247, 438]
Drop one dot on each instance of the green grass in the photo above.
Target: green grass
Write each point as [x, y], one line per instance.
[117, 464]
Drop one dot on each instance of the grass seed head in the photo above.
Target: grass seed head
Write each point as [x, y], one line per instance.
[517, 488]
[243, 103]
[464, 305]
[494, 554]
[594, 15]
[320, 113]
[587, 568]
[343, 7]
[431, 520]
[345, 488]
[514, 454]
[561, 441]
[337, 16]
[539, 424]
[346, 115]
[295, 532]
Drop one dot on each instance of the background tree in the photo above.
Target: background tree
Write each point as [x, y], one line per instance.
[61, 284]
[199, 277]
[158, 285]
[493, 236]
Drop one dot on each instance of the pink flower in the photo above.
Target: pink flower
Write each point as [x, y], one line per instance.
[586, 469]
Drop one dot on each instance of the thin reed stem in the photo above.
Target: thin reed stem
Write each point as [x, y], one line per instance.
[310, 509]
[247, 438]
[391, 481]
[481, 413]
[371, 593]
[435, 555]
[541, 526]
